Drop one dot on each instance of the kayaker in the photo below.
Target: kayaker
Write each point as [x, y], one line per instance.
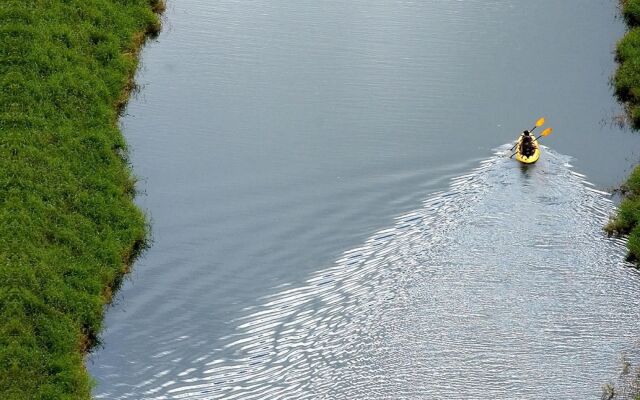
[526, 146]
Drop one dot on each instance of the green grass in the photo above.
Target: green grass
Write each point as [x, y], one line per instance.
[627, 88]
[627, 78]
[626, 221]
[69, 228]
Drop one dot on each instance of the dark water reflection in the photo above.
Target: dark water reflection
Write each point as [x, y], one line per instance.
[271, 137]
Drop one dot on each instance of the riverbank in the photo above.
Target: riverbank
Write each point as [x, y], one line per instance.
[627, 219]
[627, 77]
[627, 88]
[70, 228]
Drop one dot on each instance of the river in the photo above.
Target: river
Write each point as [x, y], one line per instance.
[334, 214]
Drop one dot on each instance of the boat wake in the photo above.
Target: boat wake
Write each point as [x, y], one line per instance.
[503, 286]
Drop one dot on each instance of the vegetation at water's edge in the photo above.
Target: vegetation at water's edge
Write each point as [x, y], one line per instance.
[627, 220]
[627, 88]
[626, 386]
[68, 224]
[627, 77]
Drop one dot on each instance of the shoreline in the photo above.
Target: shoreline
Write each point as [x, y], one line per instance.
[70, 226]
[626, 82]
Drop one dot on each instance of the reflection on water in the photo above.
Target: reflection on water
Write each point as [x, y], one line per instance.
[503, 286]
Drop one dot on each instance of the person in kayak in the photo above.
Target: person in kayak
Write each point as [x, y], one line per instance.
[526, 145]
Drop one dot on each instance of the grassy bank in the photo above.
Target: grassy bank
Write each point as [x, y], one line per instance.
[68, 224]
[627, 88]
[627, 77]
[627, 220]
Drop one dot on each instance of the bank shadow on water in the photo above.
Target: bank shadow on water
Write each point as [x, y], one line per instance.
[503, 286]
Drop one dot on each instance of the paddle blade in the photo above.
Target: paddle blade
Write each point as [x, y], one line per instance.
[547, 132]
[540, 122]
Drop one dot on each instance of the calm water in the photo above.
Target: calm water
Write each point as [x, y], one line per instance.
[274, 139]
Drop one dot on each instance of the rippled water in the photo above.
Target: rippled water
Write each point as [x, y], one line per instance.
[272, 136]
[503, 286]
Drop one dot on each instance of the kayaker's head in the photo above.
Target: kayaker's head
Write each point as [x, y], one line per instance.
[525, 132]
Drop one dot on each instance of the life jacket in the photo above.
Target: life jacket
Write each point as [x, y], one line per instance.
[526, 146]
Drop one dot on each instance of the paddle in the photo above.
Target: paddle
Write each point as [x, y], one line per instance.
[539, 122]
[545, 133]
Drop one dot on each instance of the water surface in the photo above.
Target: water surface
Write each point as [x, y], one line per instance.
[462, 298]
[273, 137]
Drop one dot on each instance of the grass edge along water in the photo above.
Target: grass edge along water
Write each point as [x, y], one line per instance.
[69, 226]
[626, 82]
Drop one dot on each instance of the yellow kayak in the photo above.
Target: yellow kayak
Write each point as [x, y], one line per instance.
[531, 159]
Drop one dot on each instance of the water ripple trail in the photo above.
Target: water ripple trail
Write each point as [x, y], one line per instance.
[503, 286]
